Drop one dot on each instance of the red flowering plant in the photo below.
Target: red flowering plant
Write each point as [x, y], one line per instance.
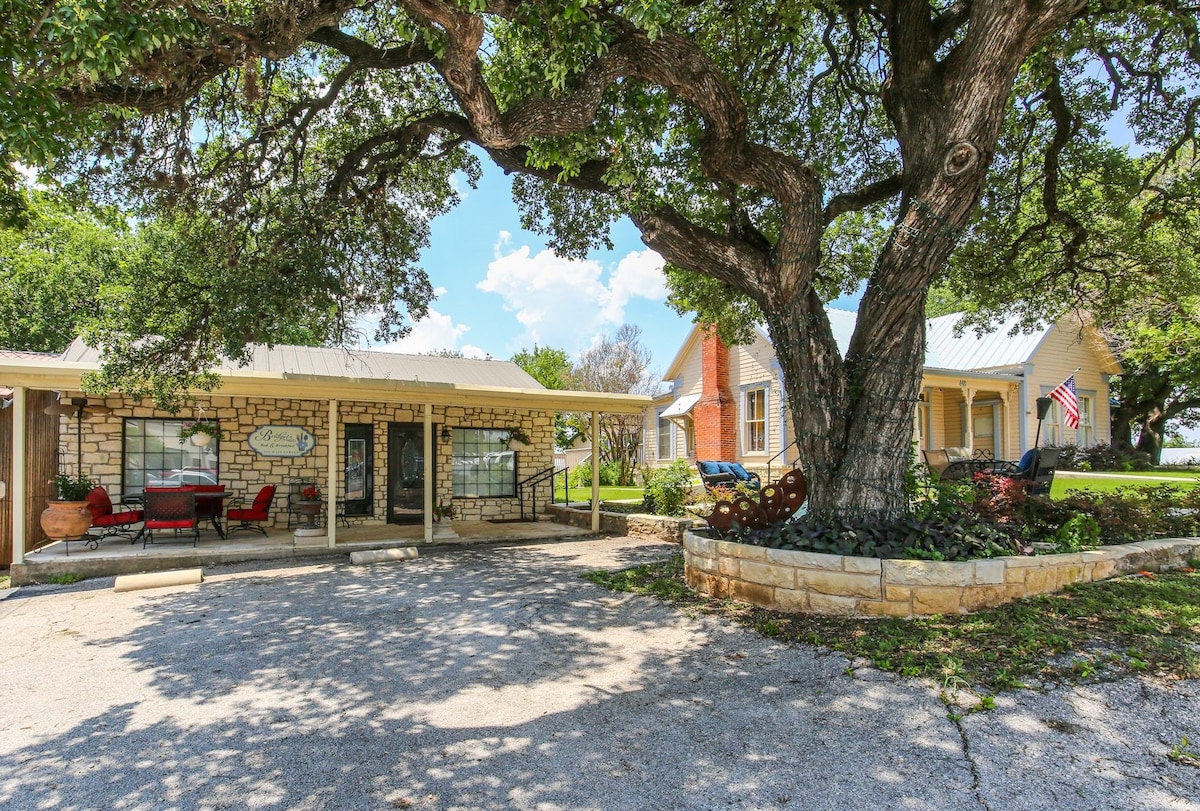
[310, 493]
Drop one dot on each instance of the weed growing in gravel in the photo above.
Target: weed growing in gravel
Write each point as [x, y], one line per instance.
[1184, 754]
[64, 579]
[1095, 630]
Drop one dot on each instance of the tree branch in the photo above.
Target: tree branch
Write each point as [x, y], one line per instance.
[875, 192]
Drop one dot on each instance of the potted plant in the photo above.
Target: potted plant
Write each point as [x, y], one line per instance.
[200, 432]
[67, 515]
[309, 503]
[443, 510]
[518, 440]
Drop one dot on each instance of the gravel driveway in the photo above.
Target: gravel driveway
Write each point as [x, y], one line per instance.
[496, 678]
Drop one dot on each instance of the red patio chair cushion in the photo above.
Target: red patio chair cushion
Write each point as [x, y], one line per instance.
[99, 504]
[259, 510]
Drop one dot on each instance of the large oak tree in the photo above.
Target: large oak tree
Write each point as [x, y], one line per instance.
[775, 150]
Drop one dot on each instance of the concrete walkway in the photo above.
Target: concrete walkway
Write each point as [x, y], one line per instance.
[116, 555]
[496, 678]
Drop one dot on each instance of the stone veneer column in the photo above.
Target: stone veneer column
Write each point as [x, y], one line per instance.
[715, 414]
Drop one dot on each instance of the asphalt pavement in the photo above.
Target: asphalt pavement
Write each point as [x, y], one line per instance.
[497, 678]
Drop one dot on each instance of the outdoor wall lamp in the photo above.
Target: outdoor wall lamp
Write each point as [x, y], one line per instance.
[445, 434]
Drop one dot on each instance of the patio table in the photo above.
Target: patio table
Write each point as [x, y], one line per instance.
[213, 501]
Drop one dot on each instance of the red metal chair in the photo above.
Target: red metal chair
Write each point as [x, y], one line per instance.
[170, 509]
[251, 517]
[110, 519]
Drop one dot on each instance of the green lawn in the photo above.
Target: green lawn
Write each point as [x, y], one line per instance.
[606, 494]
[1064, 481]
[1093, 631]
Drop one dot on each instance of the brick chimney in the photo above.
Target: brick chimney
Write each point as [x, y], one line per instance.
[715, 414]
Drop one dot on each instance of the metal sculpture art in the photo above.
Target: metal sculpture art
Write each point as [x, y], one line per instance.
[776, 502]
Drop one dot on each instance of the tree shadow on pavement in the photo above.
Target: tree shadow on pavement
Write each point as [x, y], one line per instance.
[478, 679]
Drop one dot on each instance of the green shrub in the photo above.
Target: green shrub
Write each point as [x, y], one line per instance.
[931, 538]
[669, 488]
[993, 515]
[581, 474]
[1102, 456]
[1080, 532]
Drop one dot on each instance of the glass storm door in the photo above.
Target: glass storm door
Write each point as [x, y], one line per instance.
[406, 473]
[357, 456]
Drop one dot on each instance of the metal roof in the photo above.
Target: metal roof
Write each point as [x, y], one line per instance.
[320, 373]
[361, 364]
[992, 350]
[681, 406]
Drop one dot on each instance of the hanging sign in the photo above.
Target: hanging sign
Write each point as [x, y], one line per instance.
[282, 440]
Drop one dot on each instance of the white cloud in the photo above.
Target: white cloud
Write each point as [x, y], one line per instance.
[568, 303]
[435, 331]
[638, 275]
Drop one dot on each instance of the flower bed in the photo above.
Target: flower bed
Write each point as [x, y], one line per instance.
[845, 585]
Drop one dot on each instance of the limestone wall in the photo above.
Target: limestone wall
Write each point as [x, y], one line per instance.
[244, 471]
[635, 525]
[843, 585]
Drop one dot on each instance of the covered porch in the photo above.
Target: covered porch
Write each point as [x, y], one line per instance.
[387, 444]
[977, 414]
[115, 556]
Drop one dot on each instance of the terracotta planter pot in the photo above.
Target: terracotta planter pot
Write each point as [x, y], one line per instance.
[63, 520]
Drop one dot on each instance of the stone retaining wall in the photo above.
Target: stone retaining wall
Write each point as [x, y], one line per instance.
[634, 525]
[843, 585]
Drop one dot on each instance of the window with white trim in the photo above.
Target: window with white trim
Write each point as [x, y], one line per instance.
[665, 449]
[754, 420]
[1087, 431]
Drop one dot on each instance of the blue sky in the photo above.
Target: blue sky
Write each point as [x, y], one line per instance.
[500, 289]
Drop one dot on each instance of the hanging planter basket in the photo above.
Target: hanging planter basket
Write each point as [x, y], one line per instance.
[201, 440]
[518, 440]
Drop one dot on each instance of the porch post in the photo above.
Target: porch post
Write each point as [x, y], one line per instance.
[968, 421]
[430, 484]
[19, 488]
[595, 471]
[331, 480]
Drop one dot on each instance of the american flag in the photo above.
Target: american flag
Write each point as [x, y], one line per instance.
[1064, 395]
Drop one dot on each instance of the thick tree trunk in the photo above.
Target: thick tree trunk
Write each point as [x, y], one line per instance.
[1122, 429]
[1150, 441]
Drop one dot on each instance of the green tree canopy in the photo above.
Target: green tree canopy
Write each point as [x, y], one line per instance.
[56, 264]
[783, 150]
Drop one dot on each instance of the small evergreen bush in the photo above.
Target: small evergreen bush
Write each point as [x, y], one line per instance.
[668, 489]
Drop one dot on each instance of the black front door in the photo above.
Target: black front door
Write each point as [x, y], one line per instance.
[358, 457]
[406, 473]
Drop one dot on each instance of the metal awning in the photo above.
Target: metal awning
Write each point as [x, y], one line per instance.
[681, 406]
